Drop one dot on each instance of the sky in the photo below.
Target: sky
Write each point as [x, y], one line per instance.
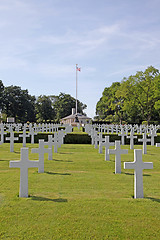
[41, 41]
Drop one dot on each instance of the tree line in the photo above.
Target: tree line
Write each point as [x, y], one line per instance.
[18, 103]
[133, 100]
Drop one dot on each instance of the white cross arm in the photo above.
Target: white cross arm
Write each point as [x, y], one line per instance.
[111, 151]
[148, 165]
[124, 151]
[120, 151]
[144, 140]
[108, 144]
[129, 165]
[9, 138]
[131, 136]
[15, 164]
[18, 164]
[37, 150]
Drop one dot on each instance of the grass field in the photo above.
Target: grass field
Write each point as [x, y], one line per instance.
[79, 197]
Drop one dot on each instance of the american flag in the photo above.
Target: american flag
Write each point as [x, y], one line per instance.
[78, 69]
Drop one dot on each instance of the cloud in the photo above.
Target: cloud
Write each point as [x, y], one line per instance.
[54, 70]
[81, 43]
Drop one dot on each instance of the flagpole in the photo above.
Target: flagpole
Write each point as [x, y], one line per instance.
[76, 87]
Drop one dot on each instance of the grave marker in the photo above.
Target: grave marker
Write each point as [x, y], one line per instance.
[41, 151]
[12, 139]
[50, 145]
[24, 136]
[107, 144]
[138, 165]
[132, 137]
[2, 132]
[118, 151]
[24, 164]
[122, 134]
[144, 140]
[32, 133]
[152, 134]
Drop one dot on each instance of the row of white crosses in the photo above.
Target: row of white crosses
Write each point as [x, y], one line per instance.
[32, 129]
[138, 165]
[25, 163]
[19, 127]
[112, 128]
[32, 133]
[95, 137]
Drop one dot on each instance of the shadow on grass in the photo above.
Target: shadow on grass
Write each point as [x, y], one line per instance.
[132, 174]
[65, 153]
[153, 199]
[61, 160]
[17, 152]
[4, 160]
[59, 200]
[63, 174]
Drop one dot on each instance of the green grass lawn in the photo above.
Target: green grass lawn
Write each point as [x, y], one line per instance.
[79, 197]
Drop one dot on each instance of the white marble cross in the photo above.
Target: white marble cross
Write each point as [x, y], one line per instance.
[32, 133]
[112, 129]
[50, 145]
[152, 134]
[24, 164]
[122, 134]
[138, 165]
[55, 142]
[41, 151]
[117, 128]
[61, 135]
[18, 127]
[139, 130]
[144, 140]
[118, 151]
[68, 129]
[24, 136]
[12, 139]
[107, 144]
[10, 128]
[25, 126]
[88, 128]
[96, 140]
[2, 133]
[132, 137]
[100, 138]
[92, 134]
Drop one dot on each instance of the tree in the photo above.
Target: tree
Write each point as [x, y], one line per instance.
[18, 103]
[44, 109]
[1, 94]
[109, 107]
[64, 103]
[141, 94]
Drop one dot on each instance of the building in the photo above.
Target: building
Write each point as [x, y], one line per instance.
[71, 118]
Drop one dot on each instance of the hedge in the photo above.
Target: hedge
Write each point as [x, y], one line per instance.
[72, 138]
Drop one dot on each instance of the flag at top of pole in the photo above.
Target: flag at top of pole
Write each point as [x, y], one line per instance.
[77, 68]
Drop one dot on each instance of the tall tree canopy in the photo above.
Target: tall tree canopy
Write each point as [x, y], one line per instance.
[44, 109]
[137, 98]
[18, 103]
[109, 107]
[64, 103]
[15, 102]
